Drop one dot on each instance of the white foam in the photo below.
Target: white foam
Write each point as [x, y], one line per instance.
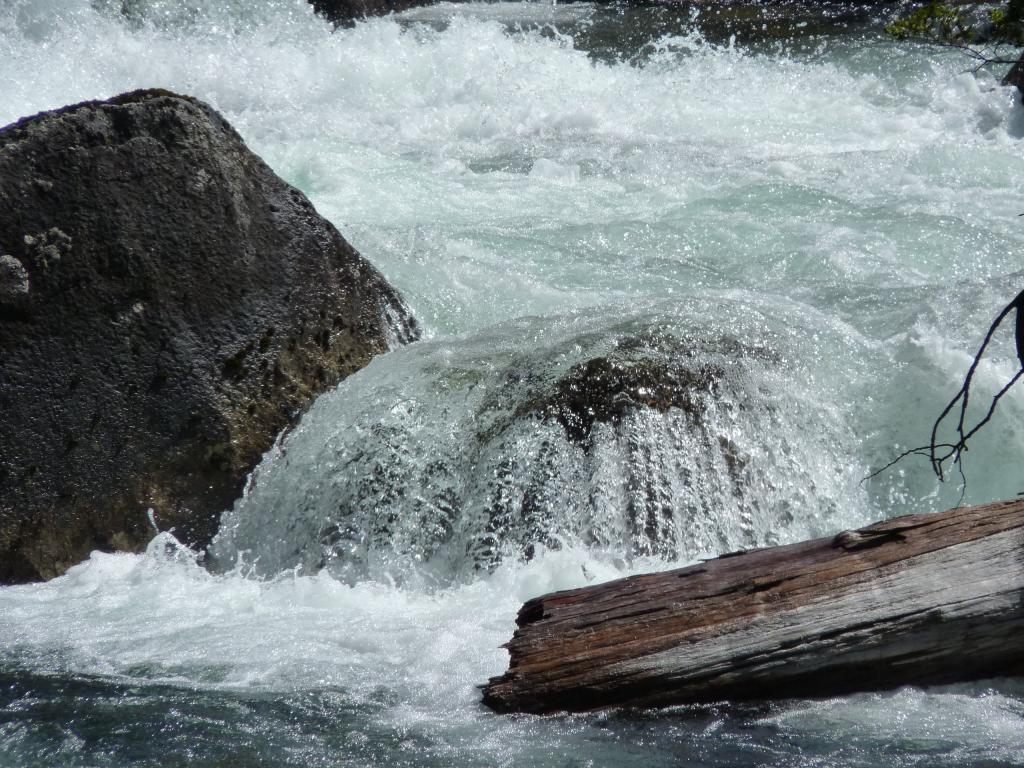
[964, 725]
[158, 618]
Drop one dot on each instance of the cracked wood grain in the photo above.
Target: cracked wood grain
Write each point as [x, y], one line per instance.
[924, 599]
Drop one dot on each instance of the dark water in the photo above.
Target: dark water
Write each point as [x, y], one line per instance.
[78, 721]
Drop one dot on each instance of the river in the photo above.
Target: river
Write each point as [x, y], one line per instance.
[825, 218]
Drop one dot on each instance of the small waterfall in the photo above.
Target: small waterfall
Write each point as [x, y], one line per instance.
[649, 435]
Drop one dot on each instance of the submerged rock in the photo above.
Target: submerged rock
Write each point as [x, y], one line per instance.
[604, 390]
[649, 436]
[167, 306]
[650, 393]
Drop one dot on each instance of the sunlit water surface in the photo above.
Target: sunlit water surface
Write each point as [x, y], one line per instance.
[826, 219]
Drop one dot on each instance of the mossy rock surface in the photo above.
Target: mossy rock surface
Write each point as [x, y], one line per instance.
[605, 389]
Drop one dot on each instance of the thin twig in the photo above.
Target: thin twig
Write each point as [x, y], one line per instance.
[963, 397]
[938, 453]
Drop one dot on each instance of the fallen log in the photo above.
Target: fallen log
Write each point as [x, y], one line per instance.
[923, 599]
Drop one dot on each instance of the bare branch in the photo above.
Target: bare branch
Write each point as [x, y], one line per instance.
[940, 453]
[963, 397]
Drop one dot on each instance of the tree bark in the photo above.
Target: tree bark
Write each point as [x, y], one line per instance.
[923, 599]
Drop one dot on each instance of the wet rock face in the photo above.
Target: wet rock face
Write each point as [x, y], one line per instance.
[647, 395]
[348, 11]
[14, 285]
[1015, 77]
[605, 390]
[167, 305]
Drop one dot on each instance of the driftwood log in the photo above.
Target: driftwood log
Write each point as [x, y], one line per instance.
[923, 599]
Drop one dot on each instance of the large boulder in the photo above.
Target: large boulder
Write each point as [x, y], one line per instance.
[167, 306]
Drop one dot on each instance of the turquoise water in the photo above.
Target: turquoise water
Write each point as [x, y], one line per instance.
[827, 218]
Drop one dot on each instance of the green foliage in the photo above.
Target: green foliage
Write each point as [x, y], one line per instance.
[934, 22]
[1007, 24]
[984, 37]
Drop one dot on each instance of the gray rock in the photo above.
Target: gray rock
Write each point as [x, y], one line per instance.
[348, 11]
[605, 390]
[1015, 77]
[46, 248]
[14, 285]
[185, 305]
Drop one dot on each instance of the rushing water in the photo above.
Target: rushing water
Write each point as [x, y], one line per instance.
[815, 222]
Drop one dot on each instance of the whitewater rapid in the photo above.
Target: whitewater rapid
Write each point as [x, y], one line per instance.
[845, 206]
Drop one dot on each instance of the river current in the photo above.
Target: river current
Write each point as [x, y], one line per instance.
[825, 218]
